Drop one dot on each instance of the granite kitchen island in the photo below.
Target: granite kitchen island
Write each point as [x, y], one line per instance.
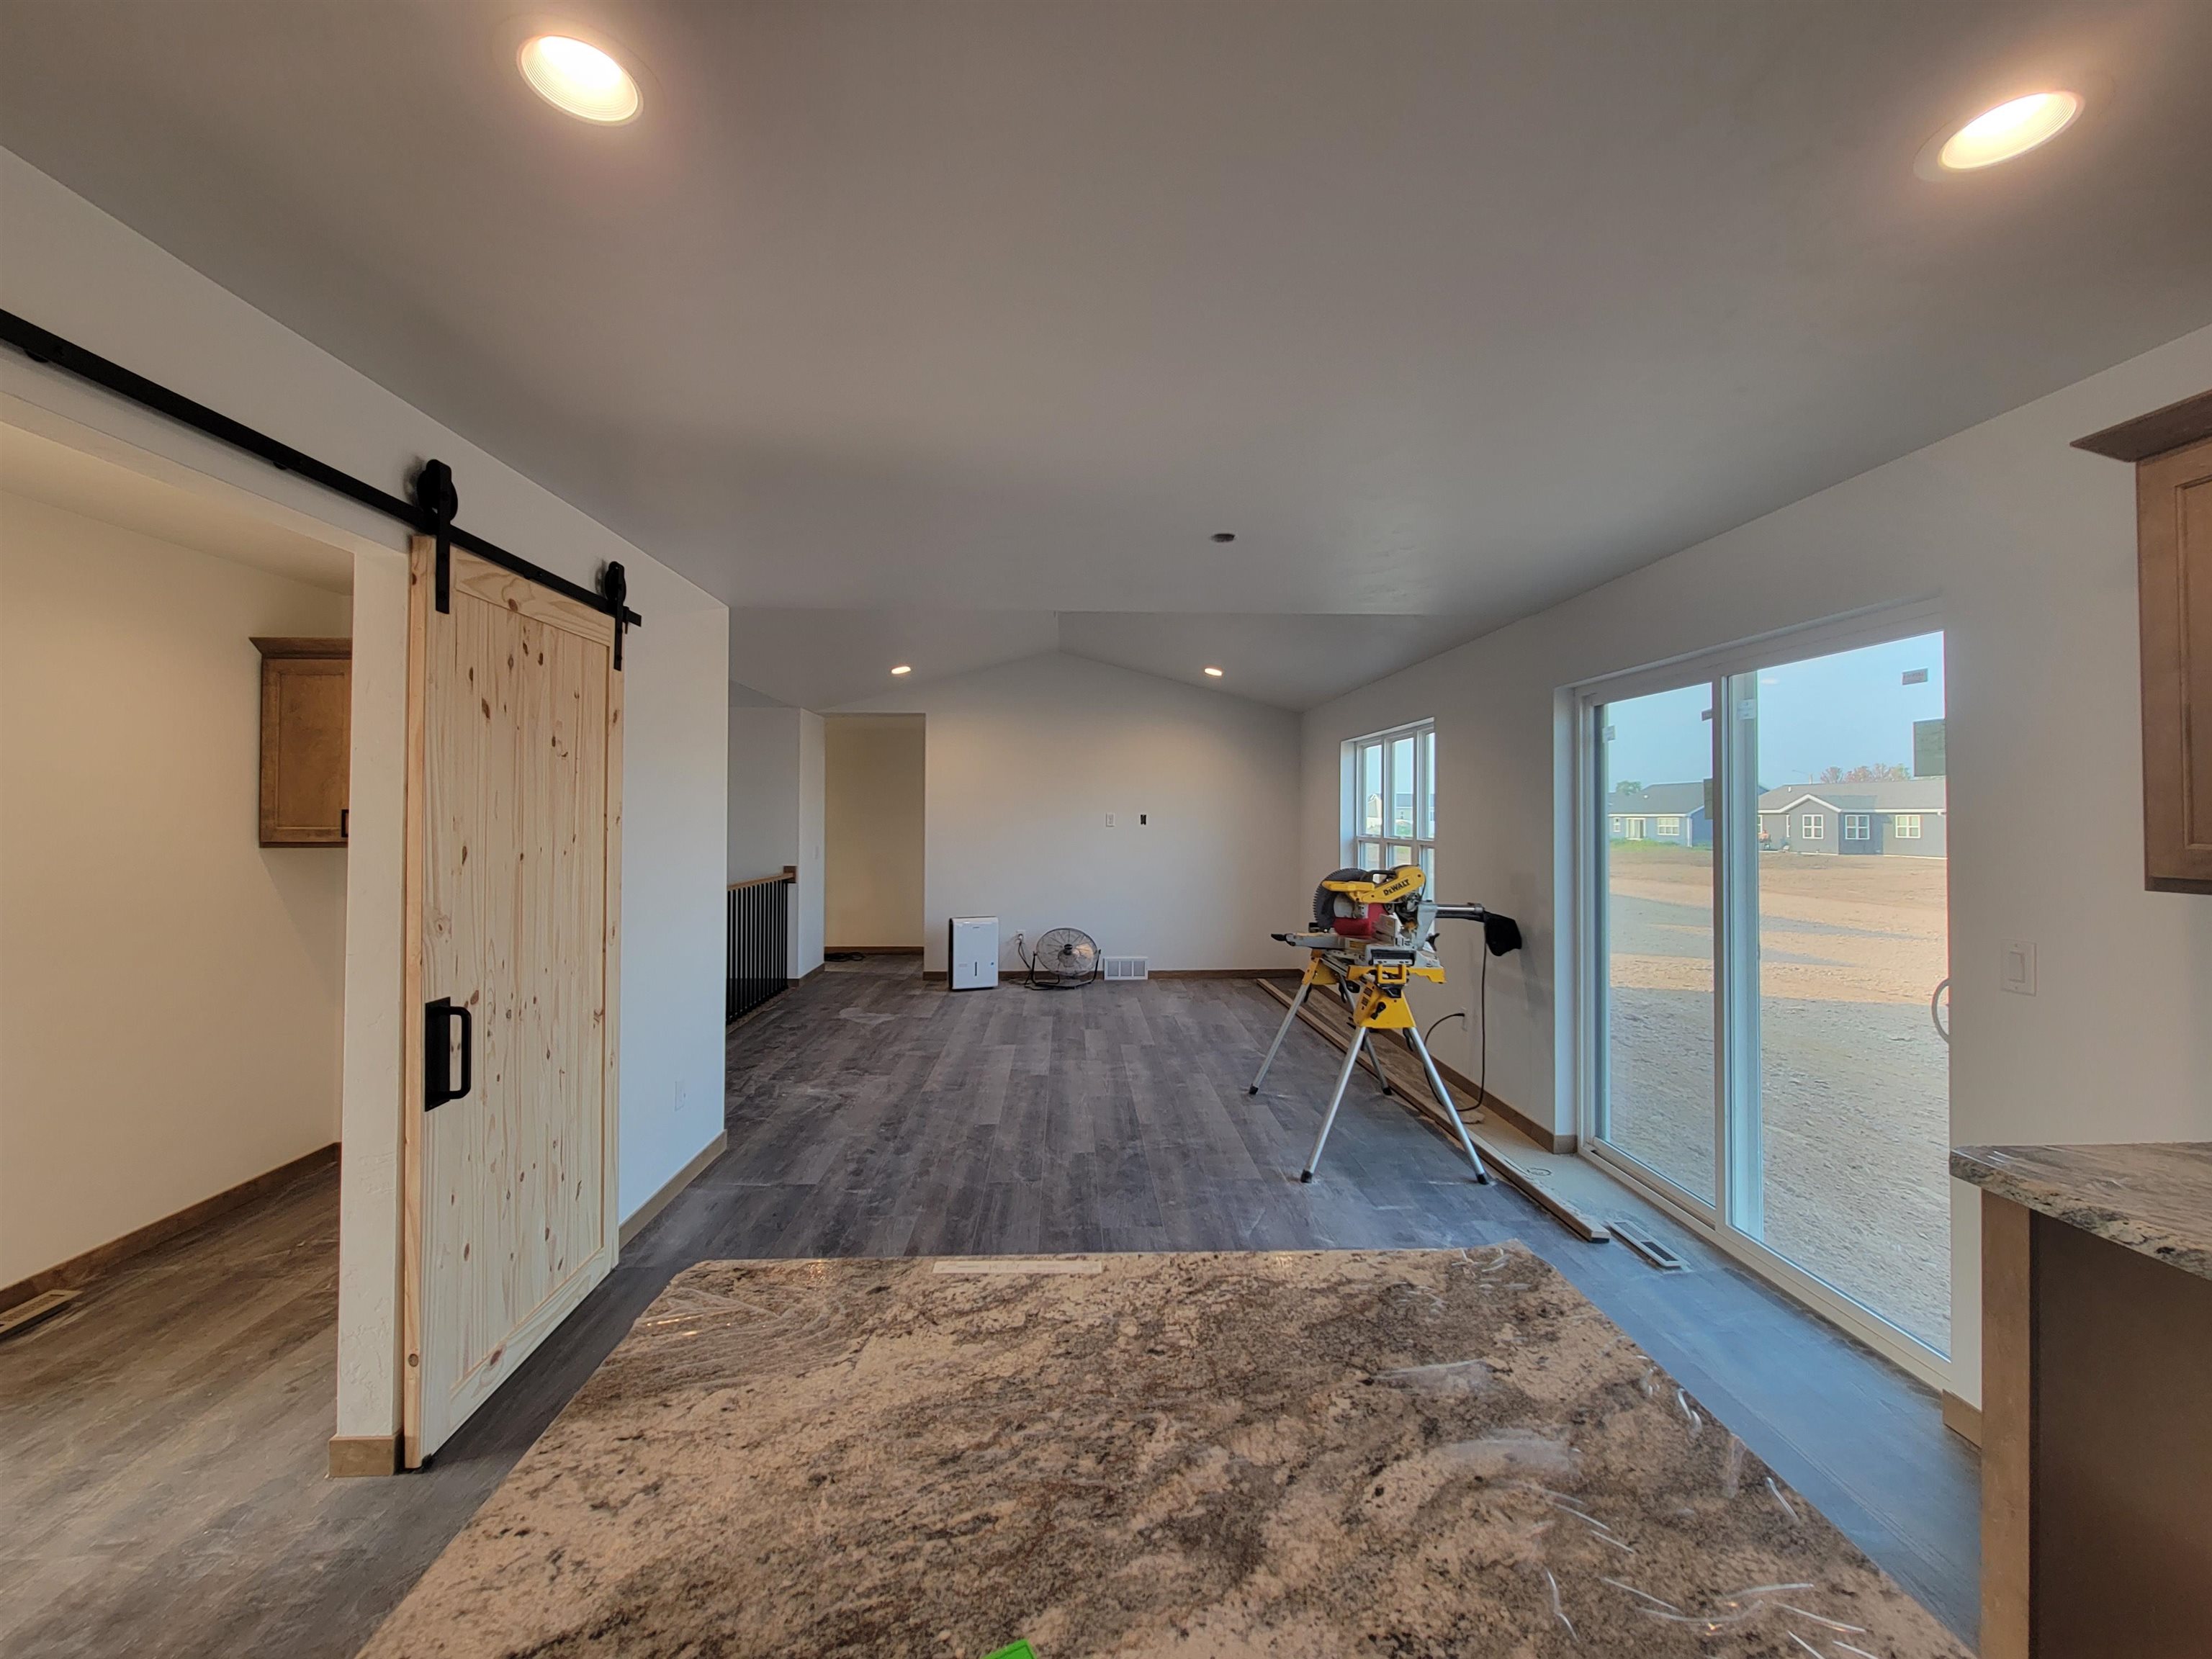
[2096, 1400]
[1303, 1455]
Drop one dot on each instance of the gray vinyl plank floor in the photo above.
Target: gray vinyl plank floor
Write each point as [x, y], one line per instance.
[162, 1445]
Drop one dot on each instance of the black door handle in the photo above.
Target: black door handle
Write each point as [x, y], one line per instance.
[438, 1085]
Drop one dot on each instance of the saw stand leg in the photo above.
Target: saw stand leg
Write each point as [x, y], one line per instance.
[1373, 1060]
[1444, 1099]
[1281, 1031]
[1291, 1018]
[1335, 1099]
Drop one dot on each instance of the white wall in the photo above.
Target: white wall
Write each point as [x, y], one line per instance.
[1026, 759]
[874, 831]
[674, 796]
[763, 791]
[776, 813]
[2030, 546]
[169, 989]
[69, 267]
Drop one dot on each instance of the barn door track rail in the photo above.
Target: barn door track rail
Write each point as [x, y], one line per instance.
[430, 514]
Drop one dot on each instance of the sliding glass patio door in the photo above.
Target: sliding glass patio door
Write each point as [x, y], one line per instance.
[1658, 897]
[1766, 852]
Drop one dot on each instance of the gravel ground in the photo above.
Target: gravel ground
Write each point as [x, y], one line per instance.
[1854, 1081]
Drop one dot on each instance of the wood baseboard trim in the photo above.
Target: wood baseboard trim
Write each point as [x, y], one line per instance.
[1962, 1418]
[82, 1269]
[809, 973]
[1288, 976]
[357, 1456]
[676, 1183]
[1520, 1120]
[871, 950]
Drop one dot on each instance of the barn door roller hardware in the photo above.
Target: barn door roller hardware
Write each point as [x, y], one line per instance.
[430, 514]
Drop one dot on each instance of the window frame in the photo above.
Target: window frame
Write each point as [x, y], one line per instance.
[1858, 826]
[1812, 826]
[1906, 826]
[1584, 803]
[1420, 848]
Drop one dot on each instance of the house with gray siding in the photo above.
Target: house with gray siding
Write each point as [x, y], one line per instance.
[1672, 812]
[1898, 817]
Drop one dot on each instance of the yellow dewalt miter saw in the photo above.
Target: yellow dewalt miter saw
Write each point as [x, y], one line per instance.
[1375, 932]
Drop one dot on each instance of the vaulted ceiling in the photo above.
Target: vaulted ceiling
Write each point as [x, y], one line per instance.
[969, 314]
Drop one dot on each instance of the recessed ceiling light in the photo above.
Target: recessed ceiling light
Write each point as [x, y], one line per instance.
[1215, 673]
[1224, 535]
[579, 79]
[903, 668]
[2013, 128]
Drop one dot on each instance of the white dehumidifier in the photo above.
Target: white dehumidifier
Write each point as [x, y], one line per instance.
[973, 957]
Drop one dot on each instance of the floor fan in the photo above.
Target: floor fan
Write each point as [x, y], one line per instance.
[1065, 957]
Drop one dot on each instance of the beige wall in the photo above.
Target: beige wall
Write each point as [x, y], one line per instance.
[873, 855]
[169, 989]
[1028, 760]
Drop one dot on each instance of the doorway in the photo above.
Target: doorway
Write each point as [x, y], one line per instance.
[173, 864]
[1766, 854]
[872, 832]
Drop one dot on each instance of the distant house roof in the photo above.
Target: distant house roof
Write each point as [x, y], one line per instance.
[1891, 795]
[1673, 799]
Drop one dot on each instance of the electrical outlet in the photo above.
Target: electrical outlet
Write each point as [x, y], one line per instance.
[1109, 820]
[683, 1093]
[1144, 817]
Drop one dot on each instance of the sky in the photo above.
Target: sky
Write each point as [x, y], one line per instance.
[1848, 709]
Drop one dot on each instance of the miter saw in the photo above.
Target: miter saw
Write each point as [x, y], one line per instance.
[1375, 932]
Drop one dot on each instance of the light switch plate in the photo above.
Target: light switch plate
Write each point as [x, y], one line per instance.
[2017, 973]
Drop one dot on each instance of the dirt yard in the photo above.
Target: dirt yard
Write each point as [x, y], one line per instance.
[1854, 1083]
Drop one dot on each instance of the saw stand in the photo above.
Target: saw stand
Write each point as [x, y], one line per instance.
[1380, 981]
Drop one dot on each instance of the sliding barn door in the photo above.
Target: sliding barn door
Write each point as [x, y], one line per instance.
[515, 842]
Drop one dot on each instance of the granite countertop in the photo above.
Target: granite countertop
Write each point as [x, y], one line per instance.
[1308, 1456]
[2152, 1197]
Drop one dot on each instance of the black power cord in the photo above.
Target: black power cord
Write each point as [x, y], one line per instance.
[1482, 1002]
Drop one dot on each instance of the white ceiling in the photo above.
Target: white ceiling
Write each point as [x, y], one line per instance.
[1448, 310]
[826, 658]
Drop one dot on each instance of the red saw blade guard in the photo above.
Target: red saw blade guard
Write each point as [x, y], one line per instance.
[1359, 927]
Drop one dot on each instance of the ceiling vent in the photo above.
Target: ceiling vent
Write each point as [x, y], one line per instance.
[1128, 967]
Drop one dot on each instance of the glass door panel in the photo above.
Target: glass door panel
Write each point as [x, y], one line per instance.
[1656, 1099]
[1851, 1107]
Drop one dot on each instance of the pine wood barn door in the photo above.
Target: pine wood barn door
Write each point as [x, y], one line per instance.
[514, 816]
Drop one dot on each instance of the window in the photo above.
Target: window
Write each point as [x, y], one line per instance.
[1906, 826]
[1811, 826]
[1668, 829]
[1392, 813]
[1858, 826]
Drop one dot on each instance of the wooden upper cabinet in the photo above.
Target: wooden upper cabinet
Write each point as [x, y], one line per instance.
[307, 720]
[2171, 449]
